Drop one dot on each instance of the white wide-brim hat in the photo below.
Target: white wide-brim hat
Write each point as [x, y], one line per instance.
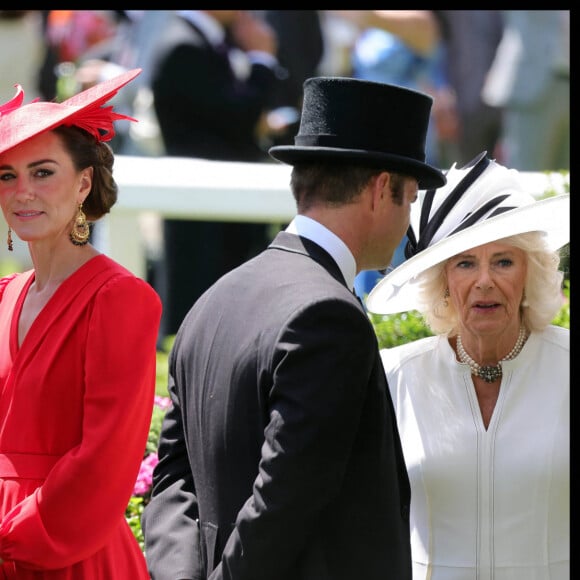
[482, 202]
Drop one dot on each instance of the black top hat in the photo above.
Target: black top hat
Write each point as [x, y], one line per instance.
[374, 124]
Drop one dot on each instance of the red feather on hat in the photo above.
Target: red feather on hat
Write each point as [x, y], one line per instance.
[14, 102]
[97, 120]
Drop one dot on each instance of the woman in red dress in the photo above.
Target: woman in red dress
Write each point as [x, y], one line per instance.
[78, 337]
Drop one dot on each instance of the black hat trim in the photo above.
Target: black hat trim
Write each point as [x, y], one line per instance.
[428, 227]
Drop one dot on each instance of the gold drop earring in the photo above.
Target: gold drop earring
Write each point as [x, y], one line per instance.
[80, 232]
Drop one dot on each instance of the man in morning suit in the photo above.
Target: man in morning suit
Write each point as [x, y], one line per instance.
[209, 107]
[280, 458]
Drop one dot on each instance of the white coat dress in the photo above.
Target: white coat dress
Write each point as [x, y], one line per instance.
[486, 504]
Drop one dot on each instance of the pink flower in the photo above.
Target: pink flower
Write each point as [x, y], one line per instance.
[162, 402]
[145, 476]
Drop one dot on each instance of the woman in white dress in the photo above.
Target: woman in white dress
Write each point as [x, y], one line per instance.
[483, 407]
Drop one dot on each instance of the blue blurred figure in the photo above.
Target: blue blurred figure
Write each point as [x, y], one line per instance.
[384, 56]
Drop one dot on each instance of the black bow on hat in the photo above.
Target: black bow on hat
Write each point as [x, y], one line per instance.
[430, 224]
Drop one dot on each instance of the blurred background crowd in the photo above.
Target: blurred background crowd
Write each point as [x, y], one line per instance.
[227, 85]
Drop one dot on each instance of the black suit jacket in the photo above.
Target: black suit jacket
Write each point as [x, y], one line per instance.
[280, 459]
[203, 109]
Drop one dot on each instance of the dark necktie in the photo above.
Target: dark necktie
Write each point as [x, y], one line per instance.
[359, 299]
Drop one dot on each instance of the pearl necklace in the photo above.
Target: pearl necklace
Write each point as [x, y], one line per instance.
[491, 373]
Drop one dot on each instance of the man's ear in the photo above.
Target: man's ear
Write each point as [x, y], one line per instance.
[382, 187]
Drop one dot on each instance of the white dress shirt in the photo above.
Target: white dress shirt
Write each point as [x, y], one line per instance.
[316, 232]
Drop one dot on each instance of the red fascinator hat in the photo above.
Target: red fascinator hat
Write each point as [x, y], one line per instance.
[20, 122]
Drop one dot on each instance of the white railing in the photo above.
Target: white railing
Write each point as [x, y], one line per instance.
[151, 188]
[154, 187]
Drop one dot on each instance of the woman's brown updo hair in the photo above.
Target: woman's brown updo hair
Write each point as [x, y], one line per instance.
[86, 152]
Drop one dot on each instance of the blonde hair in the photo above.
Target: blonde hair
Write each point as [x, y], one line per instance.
[542, 290]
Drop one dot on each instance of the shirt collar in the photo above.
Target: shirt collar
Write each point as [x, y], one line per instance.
[321, 235]
[211, 28]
